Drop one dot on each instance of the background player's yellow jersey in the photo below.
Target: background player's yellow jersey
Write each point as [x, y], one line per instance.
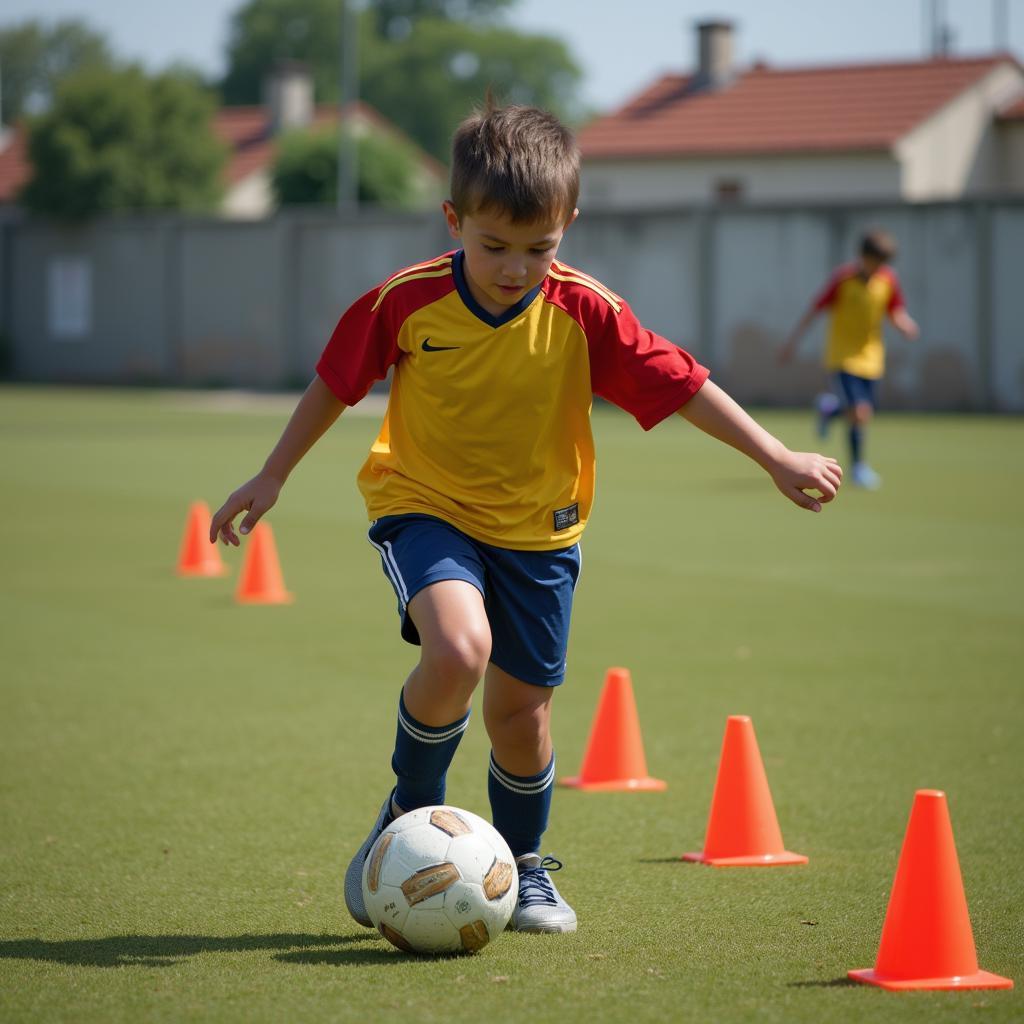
[858, 308]
[488, 422]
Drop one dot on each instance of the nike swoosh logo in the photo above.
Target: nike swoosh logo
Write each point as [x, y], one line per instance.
[427, 347]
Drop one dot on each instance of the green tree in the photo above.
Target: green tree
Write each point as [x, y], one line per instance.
[116, 139]
[306, 170]
[34, 57]
[429, 81]
[423, 63]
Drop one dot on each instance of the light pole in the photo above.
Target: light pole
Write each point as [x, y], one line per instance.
[348, 73]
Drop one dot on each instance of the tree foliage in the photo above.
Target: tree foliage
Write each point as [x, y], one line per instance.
[306, 169]
[429, 81]
[34, 57]
[116, 139]
[423, 63]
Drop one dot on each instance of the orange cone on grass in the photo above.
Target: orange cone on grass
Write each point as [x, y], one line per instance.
[197, 556]
[261, 581]
[927, 941]
[742, 827]
[614, 758]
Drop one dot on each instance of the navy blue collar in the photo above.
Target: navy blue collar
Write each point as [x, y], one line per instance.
[475, 308]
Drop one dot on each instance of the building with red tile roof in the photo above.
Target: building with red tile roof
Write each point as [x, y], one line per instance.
[914, 130]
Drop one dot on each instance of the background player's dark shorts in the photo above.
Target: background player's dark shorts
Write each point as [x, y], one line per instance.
[527, 594]
[856, 390]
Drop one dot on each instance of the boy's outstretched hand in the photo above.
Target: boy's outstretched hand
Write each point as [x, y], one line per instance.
[796, 473]
[255, 497]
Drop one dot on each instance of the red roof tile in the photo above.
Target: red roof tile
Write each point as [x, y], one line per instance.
[765, 110]
[13, 165]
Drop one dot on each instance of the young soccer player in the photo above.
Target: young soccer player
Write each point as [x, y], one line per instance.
[859, 296]
[482, 477]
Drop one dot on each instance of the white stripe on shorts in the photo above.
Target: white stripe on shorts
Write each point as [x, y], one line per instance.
[391, 568]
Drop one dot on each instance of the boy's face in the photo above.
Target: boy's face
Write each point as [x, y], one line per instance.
[504, 260]
[869, 264]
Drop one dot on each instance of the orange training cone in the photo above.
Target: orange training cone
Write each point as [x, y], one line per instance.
[927, 940]
[261, 581]
[197, 556]
[614, 758]
[742, 827]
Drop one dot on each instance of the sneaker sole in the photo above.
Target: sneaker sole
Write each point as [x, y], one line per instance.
[354, 873]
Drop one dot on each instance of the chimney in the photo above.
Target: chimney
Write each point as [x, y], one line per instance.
[288, 93]
[714, 55]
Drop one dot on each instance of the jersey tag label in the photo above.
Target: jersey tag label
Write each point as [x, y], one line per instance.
[566, 517]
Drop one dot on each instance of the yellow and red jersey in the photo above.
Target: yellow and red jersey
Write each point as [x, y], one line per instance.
[488, 421]
[858, 307]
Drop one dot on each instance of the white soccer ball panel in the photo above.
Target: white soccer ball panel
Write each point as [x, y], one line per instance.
[474, 855]
[412, 850]
[428, 930]
[388, 905]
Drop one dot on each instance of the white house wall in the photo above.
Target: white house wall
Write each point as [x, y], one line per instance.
[955, 152]
[639, 184]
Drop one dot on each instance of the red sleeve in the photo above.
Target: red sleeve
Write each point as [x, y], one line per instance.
[828, 294]
[636, 369]
[896, 300]
[362, 348]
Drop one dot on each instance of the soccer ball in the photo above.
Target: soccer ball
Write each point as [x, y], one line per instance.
[440, 880]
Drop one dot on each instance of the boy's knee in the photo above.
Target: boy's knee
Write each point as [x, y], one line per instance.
[519, 727]
[459, 659]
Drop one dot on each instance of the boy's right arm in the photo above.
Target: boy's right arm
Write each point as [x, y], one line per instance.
[317, 410]
[788, 348]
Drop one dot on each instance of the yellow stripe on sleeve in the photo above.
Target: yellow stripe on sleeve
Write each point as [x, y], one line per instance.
[574, 277]
[443, 269]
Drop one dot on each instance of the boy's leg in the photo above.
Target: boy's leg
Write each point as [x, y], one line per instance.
[433, 709]
[434, 705]
[438, 581]
[519, 783]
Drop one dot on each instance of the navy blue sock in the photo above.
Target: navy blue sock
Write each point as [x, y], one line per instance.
[856, 442]
[421, 759]
[520, 805]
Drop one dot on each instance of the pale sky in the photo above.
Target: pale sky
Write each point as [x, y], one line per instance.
[619, 52]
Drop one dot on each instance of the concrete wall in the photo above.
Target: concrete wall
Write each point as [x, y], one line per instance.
[203, 302]
[645, 184]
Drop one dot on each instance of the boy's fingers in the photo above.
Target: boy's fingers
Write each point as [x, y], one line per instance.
[252, 517]
[805, 500]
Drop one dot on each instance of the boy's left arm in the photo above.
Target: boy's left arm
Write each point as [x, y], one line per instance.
[794, 473]
[904, 323]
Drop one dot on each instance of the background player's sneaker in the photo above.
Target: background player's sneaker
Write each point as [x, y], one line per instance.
[826, 405]
[354, 874]
[540, 908]
[864, 476]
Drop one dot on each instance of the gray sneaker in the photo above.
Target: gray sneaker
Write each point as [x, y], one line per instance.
[540, 908]
[354, 874]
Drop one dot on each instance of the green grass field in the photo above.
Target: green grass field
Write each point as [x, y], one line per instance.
[182, 780]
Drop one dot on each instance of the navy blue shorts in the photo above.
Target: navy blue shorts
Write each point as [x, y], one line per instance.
[527, 594]
[856, 390]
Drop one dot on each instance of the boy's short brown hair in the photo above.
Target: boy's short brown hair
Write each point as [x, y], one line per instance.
[878, 245]
[519, 161]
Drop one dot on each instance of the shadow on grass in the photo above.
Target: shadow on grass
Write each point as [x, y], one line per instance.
[160, 950]
[364, 957]
[833, 983]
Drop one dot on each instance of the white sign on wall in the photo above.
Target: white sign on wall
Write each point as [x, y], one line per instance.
[69, 286]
